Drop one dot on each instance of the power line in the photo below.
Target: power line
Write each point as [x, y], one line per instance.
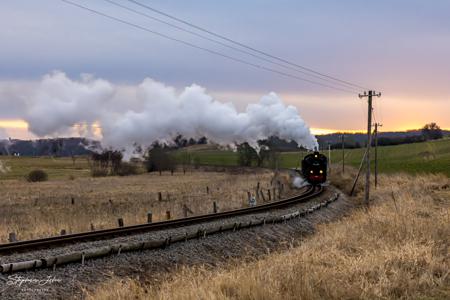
[244, 46]
[203, 48]
[223, 44]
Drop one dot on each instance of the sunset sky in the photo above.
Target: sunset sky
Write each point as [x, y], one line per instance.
[401, 48]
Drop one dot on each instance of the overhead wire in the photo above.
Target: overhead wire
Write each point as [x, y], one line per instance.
[289, 67]
[204, 48]
[190, 24]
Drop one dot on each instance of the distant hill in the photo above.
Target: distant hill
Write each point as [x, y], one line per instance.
[353, 140]
[64, 147]
[357, 140]
[47, 147]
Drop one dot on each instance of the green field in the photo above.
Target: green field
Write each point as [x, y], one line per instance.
[427, 157]
[57, 168]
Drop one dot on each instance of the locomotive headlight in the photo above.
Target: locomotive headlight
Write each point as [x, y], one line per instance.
[321, 172]
[311, 171]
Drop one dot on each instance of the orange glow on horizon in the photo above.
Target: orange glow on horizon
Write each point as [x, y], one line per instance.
[321, 131]
[13, 124]
[23, 127]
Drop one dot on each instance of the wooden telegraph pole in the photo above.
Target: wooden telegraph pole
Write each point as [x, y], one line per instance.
[376, 152]
[369, 96]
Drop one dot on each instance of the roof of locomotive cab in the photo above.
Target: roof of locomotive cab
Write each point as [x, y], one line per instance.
[315, 155]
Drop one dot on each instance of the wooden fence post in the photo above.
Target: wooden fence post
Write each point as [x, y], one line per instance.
[215, 207]
[168, 215]
[12, 237]
[186, 211]
[120, 221]
[268, 193]
[159, 197]
[262, 195]
[63, 232]
[279, 189]
[149, 217]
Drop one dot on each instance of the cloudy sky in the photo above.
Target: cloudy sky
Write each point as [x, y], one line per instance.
[401, 48]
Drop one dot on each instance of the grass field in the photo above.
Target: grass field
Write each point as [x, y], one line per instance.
[42, 209]
[57, 168]
[426, 157]
[399, 249]
[405, 255]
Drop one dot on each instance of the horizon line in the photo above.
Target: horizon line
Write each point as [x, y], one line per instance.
[19, 124]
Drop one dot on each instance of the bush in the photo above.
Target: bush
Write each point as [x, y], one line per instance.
[159, 160]
[37, 176]
[127, 169]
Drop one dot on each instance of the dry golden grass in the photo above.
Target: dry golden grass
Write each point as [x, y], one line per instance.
[42, 209]
[398, 249]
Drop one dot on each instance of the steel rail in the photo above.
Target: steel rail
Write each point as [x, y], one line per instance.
[19, 246]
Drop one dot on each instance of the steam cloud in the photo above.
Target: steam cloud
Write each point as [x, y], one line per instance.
[152, 111]
[299, 182]
[3, 135]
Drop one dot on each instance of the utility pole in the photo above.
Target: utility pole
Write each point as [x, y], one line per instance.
[343, 154]
[376, 152]
[369, 96]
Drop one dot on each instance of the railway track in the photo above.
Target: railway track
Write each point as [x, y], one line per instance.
[21, 246]
[42, 260]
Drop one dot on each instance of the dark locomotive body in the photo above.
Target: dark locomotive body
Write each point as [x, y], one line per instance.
[314, 168]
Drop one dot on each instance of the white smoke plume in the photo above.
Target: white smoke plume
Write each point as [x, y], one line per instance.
[3, 134]
[151, 111]
[299, 182]
[5, 142]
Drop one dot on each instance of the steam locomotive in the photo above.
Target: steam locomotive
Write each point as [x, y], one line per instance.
[314, 168]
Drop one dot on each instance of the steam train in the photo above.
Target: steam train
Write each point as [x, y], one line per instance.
[314, 168]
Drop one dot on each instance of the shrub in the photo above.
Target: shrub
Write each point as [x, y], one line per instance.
[37, 176]
[159, 160]
[127, 169]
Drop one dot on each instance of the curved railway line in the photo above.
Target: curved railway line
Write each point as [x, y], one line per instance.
[309, 193]
[25, 245]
